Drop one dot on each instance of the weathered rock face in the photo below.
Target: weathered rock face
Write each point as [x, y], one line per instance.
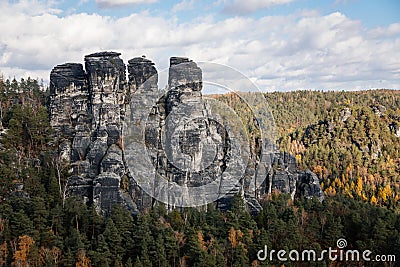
[284, 176]
[106, 80]
[345, 114]
[70, 108]
[186, 128]
[185, 145]
[87, 109]
[140, 70]
[395, 128]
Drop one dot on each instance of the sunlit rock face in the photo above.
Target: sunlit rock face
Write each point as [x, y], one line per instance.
[88, 109]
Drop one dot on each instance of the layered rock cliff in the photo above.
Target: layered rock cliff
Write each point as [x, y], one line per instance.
[129, 144]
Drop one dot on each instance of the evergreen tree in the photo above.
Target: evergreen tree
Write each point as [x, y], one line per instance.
[113, 239]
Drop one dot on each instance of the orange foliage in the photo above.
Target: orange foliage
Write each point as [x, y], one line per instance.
[3, 254]
[82, 260]
[20, 257]
[234, 237]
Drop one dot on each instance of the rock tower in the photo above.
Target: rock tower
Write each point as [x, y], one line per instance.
[88, 109]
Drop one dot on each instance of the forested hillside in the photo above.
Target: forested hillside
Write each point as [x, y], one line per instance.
[348, 138]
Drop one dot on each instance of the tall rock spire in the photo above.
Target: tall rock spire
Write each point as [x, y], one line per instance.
[107, 79]
[69, 103]
[171, 133]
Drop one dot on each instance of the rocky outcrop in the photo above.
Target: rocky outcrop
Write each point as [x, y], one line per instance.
[379, 110]
[87, 110]
[172, 139]
[285, 177]
[344, 114]
[70, 109]
[395, 128]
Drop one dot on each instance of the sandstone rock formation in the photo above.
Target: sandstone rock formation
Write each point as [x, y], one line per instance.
[173, 132]
[87, 109]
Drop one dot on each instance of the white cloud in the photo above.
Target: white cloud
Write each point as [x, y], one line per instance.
[242, 7]
[29, 7]
[306, 50]
[385, 32]
[337, 2]
[117, 3]
[81, 2]
[183, 5]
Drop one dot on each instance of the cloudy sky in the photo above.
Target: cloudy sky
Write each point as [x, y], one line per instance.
[278, 44]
